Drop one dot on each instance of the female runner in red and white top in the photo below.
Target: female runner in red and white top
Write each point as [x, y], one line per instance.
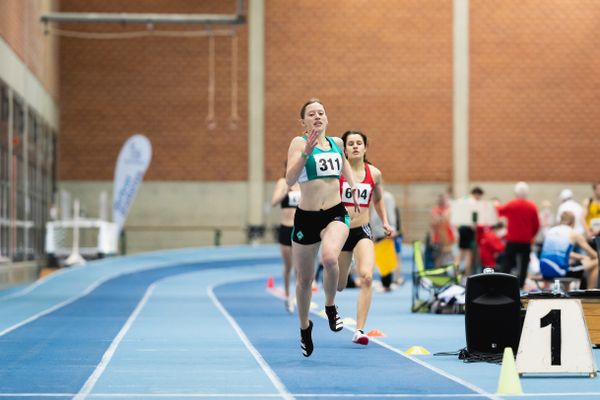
[360, 242]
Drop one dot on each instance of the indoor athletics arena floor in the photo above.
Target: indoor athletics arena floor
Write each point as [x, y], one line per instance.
[200, 323]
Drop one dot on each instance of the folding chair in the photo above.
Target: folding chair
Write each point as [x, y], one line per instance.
[430, 281]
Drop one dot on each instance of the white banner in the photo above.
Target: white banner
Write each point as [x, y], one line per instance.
[132, 163]
[461, 212]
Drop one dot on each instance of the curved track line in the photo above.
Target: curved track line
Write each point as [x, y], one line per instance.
[108, 355]
[257, 356]
[60, 305]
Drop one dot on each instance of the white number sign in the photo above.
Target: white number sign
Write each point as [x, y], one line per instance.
[555, 339]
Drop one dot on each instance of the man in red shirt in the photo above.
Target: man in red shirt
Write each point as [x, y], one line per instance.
[523, 224]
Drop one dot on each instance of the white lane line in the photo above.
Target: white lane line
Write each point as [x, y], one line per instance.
[438, 370]
[108, 355]
[138, 268]
[283, 392]
[274, 395]
[97, 283]
[37, 394]
[87, 291]
[422, 363]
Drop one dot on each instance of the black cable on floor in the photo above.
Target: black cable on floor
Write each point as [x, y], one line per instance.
[471, 357]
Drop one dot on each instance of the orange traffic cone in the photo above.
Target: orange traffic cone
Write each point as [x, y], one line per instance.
[270, 283]
[375, 333]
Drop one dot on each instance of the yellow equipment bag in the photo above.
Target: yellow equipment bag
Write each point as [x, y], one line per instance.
[385, 256]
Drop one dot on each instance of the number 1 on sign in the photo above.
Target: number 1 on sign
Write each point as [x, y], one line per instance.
[553, 319]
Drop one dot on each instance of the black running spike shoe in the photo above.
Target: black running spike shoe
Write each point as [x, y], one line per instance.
[335, 322]
[306, 343]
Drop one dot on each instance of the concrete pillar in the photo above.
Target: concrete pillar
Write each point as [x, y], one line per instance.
[256, 118]
[460, 141]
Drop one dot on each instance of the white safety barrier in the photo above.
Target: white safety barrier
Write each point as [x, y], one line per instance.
[96, 237]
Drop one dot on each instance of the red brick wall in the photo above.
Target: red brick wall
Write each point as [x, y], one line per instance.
[151, 85]
[384, 67]
[21, 29]
[393, 79]
[12, 23]
[534, 90]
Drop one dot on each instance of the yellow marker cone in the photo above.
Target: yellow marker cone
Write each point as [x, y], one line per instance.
[417, 350]
[313, 305]
[349, 321]
[509, 382]
[322, 313]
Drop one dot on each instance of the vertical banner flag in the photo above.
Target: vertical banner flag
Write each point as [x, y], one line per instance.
[132, 163]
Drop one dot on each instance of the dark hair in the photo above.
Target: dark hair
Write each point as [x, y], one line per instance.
[477, 190]
[498, 225]
[310, 101]
[364, 137]
[594, 185]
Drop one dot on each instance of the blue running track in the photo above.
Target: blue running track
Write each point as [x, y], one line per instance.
[199, 323]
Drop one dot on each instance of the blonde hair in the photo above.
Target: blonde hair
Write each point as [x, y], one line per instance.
[567, 218]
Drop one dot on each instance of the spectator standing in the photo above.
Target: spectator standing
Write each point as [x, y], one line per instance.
[443, 237]
[591, 212]
[466, 235]
[523, 224]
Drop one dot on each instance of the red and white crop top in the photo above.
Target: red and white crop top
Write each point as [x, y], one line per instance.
[365, 190]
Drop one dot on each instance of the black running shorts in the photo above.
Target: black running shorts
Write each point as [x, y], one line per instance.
[357, 234]
[309, 224]
[285, 235]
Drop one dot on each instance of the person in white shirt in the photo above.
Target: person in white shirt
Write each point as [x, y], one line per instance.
[568, 204]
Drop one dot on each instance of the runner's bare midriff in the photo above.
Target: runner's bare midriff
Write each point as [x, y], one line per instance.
[358, 218]
[319, 194]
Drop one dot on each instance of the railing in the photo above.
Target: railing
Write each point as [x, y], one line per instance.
[217, 230]
[97, 237]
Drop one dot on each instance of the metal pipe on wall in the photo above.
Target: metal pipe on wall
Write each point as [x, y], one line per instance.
[148, 19]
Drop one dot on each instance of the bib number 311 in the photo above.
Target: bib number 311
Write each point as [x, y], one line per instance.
[328, 164]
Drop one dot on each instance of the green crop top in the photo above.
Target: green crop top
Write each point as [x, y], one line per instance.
[323, 163]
